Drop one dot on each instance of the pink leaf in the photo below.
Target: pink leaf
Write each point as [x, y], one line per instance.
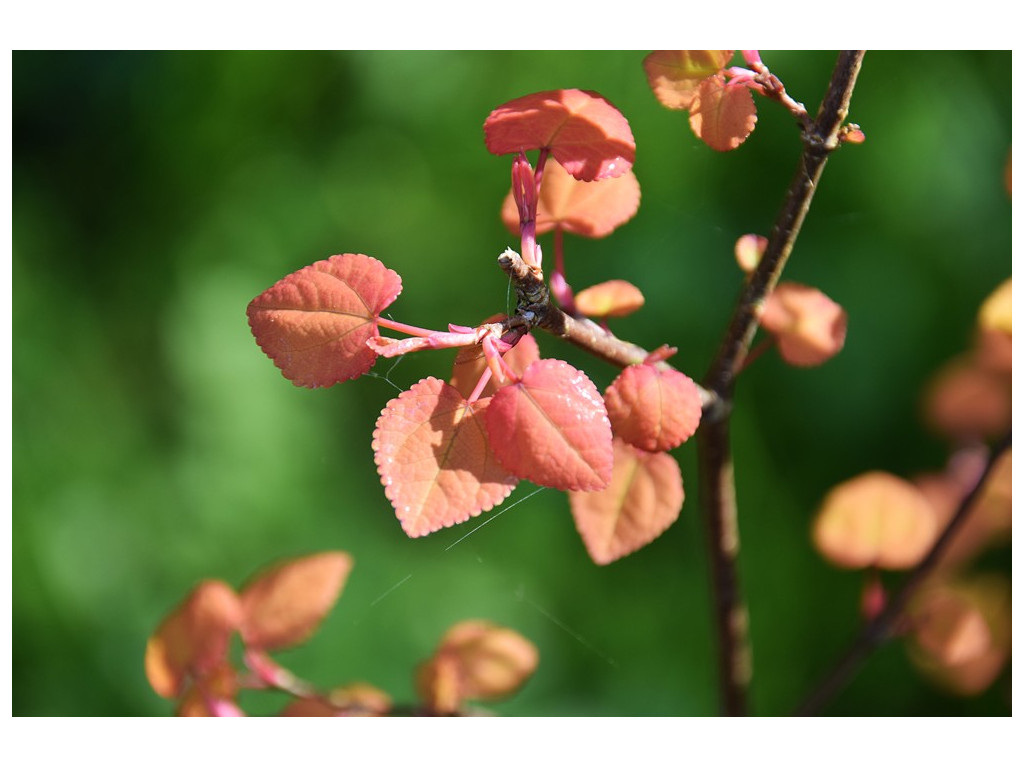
[808, 326]
[586, 135]
[314, 323]
[653, 409]
[612, 298]
[433, 458]
[551, 428]
[722, 115]
[674, 76]
[642, 500]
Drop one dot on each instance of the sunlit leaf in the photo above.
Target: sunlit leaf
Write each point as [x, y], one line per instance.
[192, 641]
[551, 428]
[809, 328]
[875, 519]
[476, 660]
[653, 409]
[642, 500]
[675, 75]
[996, 311]
[434, 458]
[722, 115]
[966, 401]
[285, 604]
[612, 298]
[314, 323]
[586, 135]
[585, 208]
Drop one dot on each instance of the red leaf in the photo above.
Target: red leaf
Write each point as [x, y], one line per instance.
[551, 428]
[285, 604]
[722, 115]
[314, 323]
[193, 639]
[585, 208]
[642, 500]
[653, 409]
[612, 298]
[674, 76]
[470, 364]
[587, 135]
[434, 460]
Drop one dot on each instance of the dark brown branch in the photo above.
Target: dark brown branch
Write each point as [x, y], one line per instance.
[878, 631]
[718, 495]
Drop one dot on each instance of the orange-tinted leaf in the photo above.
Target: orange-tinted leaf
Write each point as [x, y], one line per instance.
[434, 459]
[310, 708]
[965, 401]
[193, 640]
[551, 428]
[962, 632]
[808, 326]
[875, 519]
[314, 323]
[612, 298]
[360, 698]
[996, 312]
[475, 660]
[675, 75]
[749, 249]
[642, 500]
[585, 208]
[285, 604]
[722, 115]
[653, 409]
[470, 364]
[215, 697]
[586, 135]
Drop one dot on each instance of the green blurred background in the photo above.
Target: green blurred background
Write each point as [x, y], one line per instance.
[154, 445]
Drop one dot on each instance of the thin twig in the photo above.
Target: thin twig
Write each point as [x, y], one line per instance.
[875, 633]
[718, 495]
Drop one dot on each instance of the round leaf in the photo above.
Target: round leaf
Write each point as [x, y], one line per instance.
[722, 115]
[653, 409]
[586, 135]
[551, 428]
[433, 457]
[314, 323]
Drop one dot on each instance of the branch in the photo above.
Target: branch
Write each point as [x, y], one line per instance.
[878, 631]
[718, 494]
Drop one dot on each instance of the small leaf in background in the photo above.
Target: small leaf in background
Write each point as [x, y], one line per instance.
[642, 500]
[612, 298]
[314, 323]
[809, 328]
[192, 641]
[551, 428]
[749, 249]
[584, 208]
[653, 409]
[476, 660]
[875, 519]
[965, 401]
[586, 135]
[996, 311]
[962, 632]
[674, 76]
[722, 115]
[434, 459]
[215, 697]
[470, 364]
[284, 605]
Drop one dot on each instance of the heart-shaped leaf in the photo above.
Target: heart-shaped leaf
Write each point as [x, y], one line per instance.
[808, 326]
[551, 428]
[314, 323]
[653, 409]
[585, 208]
[285, 604]
[674, 76]
[642, 500]
[433, 457]
[722, 115]
[586, 135]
